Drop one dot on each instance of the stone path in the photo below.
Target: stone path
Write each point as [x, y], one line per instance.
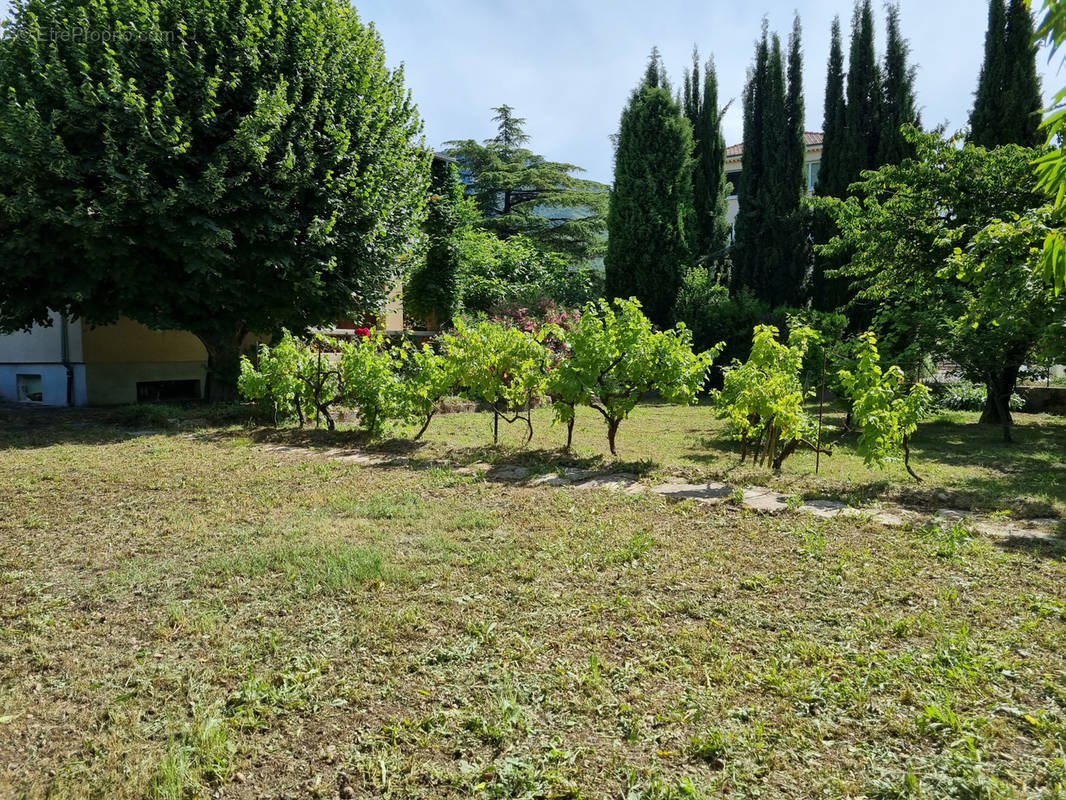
[756, 498]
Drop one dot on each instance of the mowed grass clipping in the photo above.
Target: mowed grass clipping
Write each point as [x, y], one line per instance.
[184, 613]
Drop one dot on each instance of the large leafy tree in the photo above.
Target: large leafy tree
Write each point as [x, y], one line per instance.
[1051, 167]
[519, 192]
[768, 253]
[1008, 100]
[219, 166]
[709, 191]
[927, 246]
[650, 221]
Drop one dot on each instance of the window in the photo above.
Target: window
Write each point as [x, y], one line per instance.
[29, 388]
[733, 178]
[812, 174]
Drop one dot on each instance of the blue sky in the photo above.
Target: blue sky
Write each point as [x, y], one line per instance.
[568, 67]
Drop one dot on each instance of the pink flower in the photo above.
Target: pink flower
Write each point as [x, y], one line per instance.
[364, 332]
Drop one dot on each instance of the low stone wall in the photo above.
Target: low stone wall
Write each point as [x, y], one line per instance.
[1043, 399]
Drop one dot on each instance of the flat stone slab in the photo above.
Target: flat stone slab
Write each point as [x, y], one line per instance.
[617, 482]
[507, 473]
[700, 492]
[826, 509]
[567, 477]
[365, 459]
[474, 469]
[759, 498]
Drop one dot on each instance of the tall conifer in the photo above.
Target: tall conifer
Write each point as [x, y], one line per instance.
[830, 182]
[897, 100]
[710, 204]
[768, 250]
[650, 219]
[988, 110]
[862, 126]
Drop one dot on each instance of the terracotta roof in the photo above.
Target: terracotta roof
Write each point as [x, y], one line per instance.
[810, 138]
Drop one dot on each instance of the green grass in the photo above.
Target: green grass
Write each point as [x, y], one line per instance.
[179, 605]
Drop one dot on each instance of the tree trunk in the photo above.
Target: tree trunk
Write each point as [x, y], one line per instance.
[223, 364]
[612, 430]
[1000, 387]
[570, 431]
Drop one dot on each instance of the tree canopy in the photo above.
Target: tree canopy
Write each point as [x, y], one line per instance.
[927, 246]
[219, 166]
[519, 192]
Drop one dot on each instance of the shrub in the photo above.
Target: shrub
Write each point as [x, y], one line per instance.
[963, 395]
[300, 379]
[763, 397]
[715, 315]
[887, 411]
[499, 364]
[614, 356]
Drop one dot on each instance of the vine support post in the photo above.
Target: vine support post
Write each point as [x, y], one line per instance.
[821, 409]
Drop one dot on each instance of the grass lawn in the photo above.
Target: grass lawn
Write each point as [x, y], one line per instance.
[184, 613]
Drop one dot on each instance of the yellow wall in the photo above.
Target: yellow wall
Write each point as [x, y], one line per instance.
[127, 341]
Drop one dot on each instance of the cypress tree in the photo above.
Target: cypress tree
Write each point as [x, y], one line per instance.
[769, 247]
[710, 204]
[988, 109]
[1007, 103]
[897, 101]
[862, 113]
[796, 263]
[830, 182]
[751, 211]
[1022, 87]
[650, 217]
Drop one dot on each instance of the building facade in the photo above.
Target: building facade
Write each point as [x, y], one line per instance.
[734, 156]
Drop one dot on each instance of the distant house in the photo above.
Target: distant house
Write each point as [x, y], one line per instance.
[734, 156]
[70, 363]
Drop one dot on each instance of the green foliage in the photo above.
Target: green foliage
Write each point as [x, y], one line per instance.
[650, 220]
[862, 114]
[616, 356]
[763, 397]
[943, 246]
[368, 372]
[709, 191]
[1051, 167]
[498, 364]
[887, 410]
[230, 168]
[1008, 101]
[769, 251]
[275, 378]
[831, 181]
[496, 272]
[966, 395]
[715, 314]
[433, 293]
[898, 104]
[299, 379]
[521, 193]
[428, 377]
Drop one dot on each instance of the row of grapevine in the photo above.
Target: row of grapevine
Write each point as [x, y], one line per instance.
[605, 358]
